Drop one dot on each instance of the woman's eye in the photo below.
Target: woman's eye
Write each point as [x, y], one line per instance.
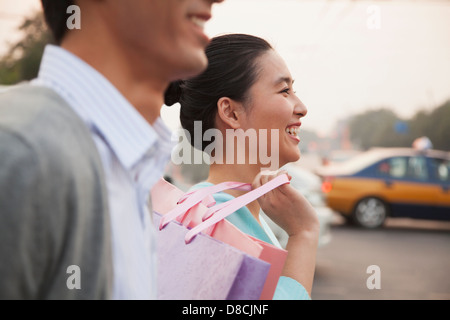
[287, 91]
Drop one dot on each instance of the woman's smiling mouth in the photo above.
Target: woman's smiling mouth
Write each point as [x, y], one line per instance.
[293, 131]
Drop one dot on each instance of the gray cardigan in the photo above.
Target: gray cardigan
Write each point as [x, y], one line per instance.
[55, 240]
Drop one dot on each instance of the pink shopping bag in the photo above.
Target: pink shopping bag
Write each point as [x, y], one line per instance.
[205, 268]
[197, 211]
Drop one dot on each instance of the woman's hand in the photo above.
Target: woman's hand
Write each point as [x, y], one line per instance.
[286, 206]
[292, 212]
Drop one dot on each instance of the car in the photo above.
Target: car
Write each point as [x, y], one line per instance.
[308, 184]
[4, 88]
[339, 156]
[389, 182]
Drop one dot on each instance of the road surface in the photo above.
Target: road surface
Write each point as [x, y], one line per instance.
[413, 257]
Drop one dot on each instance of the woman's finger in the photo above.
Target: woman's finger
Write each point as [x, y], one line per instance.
[257, 181]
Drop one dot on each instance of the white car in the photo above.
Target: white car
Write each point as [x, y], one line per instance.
[308, 184]
[4, 88]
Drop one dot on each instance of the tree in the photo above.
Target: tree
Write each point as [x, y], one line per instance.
[23, 58]
[376, 128]
[435, 125]
[380, 128]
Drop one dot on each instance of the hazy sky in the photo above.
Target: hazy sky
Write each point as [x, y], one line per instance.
[345, 56]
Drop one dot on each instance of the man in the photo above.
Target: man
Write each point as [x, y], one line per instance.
[85, 136]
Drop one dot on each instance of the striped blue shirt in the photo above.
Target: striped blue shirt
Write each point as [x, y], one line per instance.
[134, 155]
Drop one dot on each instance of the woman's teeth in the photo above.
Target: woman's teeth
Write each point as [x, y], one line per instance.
[292, 131]
[199, 22]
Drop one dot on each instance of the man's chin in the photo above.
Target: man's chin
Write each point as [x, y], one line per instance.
[193, 67]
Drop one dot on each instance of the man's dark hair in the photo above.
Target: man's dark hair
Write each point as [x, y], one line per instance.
[56, 16]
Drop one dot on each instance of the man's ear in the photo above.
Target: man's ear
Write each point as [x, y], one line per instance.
[231, 112]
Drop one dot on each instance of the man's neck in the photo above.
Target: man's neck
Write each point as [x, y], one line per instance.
[142, 88]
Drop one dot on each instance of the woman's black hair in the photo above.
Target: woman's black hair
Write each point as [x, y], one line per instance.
[55, 12]
[232, 70]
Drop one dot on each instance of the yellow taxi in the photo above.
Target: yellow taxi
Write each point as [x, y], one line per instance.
[389, 182]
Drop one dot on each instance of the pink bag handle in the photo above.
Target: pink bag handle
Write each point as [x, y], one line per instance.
[225, 209]
[210, 190]
[190, 199]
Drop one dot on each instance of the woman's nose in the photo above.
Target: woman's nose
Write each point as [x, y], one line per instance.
[300, 109]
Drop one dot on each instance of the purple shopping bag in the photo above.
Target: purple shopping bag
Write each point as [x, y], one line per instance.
[205, 268]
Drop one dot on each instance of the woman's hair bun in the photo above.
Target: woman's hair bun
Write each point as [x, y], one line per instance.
[173, 93]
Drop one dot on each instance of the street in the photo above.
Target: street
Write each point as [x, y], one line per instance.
[413, 257]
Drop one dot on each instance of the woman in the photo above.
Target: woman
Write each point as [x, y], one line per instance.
[248, 86]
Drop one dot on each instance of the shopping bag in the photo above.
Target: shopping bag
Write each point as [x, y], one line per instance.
[205, 268]
[195, 209]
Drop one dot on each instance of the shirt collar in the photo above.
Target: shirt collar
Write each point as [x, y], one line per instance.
[103, 107]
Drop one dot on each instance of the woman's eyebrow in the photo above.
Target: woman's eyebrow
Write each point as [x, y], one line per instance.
[288, 80]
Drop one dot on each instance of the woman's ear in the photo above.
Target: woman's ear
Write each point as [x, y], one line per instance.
[231, 112]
